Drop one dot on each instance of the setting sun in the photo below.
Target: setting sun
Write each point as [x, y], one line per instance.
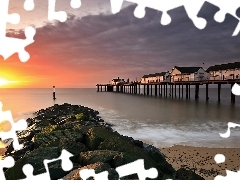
[4, 82]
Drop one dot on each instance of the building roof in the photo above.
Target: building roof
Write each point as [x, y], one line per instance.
[145, 76]
[154, 75]
[227, 66]
[187, 70]
[160, 74]
[151, 75]
[117, 80]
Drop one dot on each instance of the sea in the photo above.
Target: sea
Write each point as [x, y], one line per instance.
[159, 121]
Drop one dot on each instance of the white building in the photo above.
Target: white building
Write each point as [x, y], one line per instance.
[224, 71]
[149, 78]
[144, 79]
[162, 77]
[154, 78]
[188, 74]
[117, 81]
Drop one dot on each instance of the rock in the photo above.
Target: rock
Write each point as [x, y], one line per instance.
[96, 135]
[92, 141]
[113, 158]
[184, 174]
[131, 152]
[159, 158]
[98, 167]
[46, 137]
[35, 158]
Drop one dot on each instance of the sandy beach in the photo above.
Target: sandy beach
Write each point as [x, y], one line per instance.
[201, 159]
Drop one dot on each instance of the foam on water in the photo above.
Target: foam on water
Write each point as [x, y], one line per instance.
[166, 135]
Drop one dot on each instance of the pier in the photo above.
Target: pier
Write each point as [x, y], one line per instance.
[176, 89]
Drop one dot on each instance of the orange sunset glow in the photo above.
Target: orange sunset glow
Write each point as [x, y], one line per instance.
[93, 46]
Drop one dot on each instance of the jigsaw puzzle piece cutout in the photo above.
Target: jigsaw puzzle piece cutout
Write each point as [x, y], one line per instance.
[6, 43]
[236, 89]
[226, 8]
[53, 15]
[208, 12]
[75, 4]
[87, 173]
[15, 126]
[229, 7]
[8, 162]
[137, 167]
[60, 15]
[192, 8]
[7, 49]
[66, 164]
[230, 176]
[237, 30]
[28, 171]
[6, 18]
[219, 158]
[29, 5]
[153, 4]
[228, 132]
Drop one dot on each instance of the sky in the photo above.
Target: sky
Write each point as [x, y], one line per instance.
[94, 46]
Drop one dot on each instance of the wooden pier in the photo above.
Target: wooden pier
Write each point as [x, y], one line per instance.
[161, 88]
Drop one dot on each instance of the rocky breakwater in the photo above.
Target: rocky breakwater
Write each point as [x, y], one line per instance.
[92, 141]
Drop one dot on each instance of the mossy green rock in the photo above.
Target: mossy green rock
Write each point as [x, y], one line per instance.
[96, 135]
[114, 158]
[73, 147]
[132, 153]
[44, 138]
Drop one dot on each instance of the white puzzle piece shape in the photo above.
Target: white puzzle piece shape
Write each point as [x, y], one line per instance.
[67, 165]
[9, 45]
[8, 162]
[15, 126]
[192, 8]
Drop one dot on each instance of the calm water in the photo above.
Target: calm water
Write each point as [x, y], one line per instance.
[159, 121]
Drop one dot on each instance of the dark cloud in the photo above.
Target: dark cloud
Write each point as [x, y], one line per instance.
[122, 45]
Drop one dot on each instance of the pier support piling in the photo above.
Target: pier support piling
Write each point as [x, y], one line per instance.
[182, 90]
[207, 97]
[148, 90]
[175, 90]
[151, 89]
[219, 92]
[161, 90]
[155, 90]
[232, 95]
[179, 91]
[166, 90]
[197, 91]
[187, 91]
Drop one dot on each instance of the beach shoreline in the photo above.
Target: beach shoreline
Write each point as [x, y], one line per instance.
[197, 159]
[201, 159]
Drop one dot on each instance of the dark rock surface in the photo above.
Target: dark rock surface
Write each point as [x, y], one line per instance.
[92, 141]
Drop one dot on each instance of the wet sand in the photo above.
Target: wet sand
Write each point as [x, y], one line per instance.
[201, 159]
